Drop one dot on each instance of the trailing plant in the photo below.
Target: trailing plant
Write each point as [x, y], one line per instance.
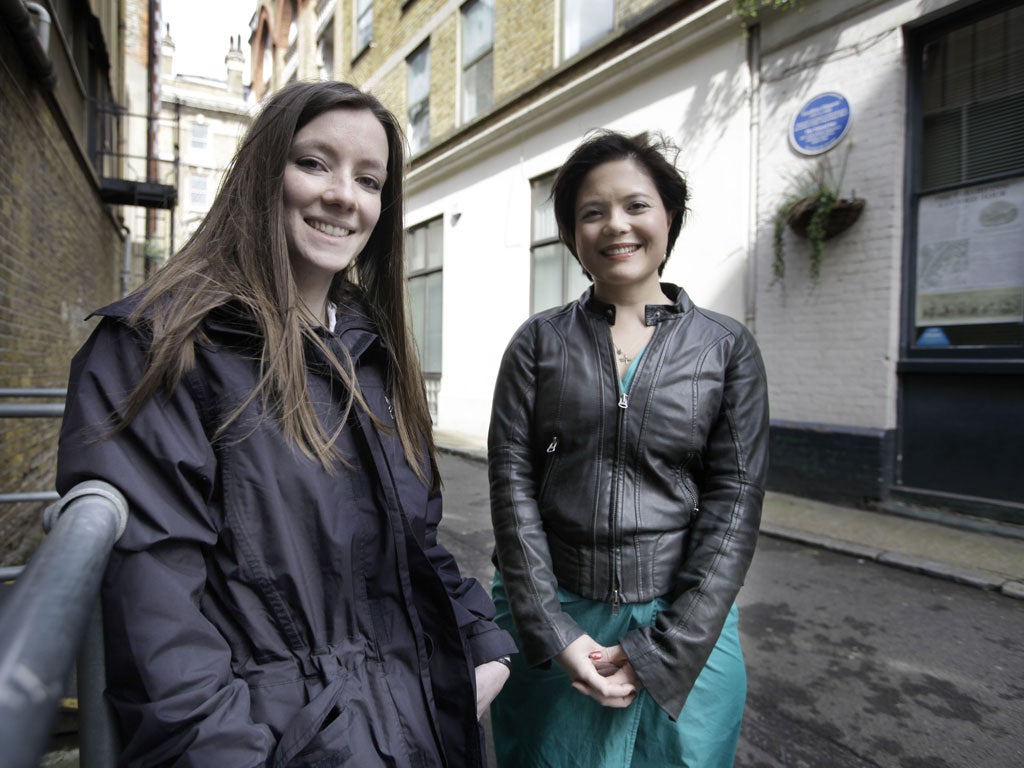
[748, 9]
[813, 208]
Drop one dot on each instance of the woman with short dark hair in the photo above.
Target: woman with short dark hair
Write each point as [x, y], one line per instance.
[627, 453]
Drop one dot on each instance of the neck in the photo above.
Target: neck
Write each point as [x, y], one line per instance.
[313, 299]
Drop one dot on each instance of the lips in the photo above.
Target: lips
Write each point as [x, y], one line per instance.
[328, 229]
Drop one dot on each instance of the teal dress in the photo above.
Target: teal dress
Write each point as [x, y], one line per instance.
[540, 721]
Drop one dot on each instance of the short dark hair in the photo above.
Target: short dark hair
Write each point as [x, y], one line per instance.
[652, 151]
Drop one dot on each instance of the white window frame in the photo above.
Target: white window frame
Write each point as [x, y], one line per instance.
[473, 62]
[362, 23]
[418, 111]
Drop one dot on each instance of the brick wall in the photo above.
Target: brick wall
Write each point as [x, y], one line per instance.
[524, 39]
[831, 346]
[443, 61]
[59, 258]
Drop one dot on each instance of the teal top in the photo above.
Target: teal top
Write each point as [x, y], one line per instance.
[631, 371]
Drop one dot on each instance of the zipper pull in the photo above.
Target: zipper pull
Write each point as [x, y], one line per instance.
[391, 409]
[624, 401]
[615, 602]
[554, 444]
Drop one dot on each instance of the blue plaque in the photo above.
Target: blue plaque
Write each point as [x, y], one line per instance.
[820, 124]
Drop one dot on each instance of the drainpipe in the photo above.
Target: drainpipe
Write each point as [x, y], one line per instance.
[30, 27]
[126, 264]
[754, 68]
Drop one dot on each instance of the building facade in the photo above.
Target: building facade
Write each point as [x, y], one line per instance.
[199, 122]
[61, 244]
[896, 372]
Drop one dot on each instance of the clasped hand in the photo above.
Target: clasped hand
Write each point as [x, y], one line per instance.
[603, 674]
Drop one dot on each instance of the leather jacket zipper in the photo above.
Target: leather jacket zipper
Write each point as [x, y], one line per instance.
[620, 447]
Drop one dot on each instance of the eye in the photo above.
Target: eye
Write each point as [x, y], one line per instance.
[311, 163]
[589, 213]
[639, 205]
[371, 183]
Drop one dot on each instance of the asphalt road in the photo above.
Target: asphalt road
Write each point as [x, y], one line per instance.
[851, 664]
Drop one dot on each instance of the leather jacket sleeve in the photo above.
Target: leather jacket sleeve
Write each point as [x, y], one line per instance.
[168, 667]
[669, 655]
[522, 549]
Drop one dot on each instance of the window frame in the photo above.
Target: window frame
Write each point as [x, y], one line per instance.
[540, 189]
[416, 141]
[413, 275]
[919, 37]
[359, 44]
[583, 45]
[466, 65]
[193, 178]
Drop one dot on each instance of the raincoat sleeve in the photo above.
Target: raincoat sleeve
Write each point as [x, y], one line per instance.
[169, 670]
[474, 610]
[522, 547]
[669, 655]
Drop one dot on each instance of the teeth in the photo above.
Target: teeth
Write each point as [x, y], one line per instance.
[620, 249]
[329, 229]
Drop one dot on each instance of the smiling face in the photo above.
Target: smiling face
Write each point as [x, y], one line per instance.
[621, 228]
[336, 169]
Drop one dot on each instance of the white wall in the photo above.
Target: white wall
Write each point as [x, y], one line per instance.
[831, 347]
[695, 91]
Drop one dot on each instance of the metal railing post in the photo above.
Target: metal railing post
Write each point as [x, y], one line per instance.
[99, 743]
[43, 619]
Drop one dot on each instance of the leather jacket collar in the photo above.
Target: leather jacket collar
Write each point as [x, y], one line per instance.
[653, 313]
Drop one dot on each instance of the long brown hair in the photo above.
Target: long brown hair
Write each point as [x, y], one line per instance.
[239, 253]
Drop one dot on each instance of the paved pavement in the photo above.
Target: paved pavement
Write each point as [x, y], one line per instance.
[981, 559]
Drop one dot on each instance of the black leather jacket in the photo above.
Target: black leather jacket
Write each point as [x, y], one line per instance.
[629, 497]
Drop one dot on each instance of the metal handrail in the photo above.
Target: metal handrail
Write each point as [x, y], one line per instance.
[30, 410]
[32, 392]
[43, 619]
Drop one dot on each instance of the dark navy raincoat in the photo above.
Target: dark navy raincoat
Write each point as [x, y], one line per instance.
[258, 609]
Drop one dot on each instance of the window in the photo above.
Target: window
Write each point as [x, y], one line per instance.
[556, 278]
[198, 191]
[418, 98]
[200, 136]
[424, 258]
[477, 58]
[364, 25]
[968, 261]
[584, 22]
[325, 54]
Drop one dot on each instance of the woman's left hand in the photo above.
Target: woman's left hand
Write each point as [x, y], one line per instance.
[490, 679]
[612, 661]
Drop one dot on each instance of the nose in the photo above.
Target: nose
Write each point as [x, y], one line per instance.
[616, 222]
[340, 192]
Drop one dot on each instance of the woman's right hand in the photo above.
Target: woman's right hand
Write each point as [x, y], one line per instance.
[577, 659]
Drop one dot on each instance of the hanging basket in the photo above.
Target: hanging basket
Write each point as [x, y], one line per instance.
[844, 213]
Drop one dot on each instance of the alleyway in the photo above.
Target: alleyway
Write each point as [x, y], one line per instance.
[851, 664]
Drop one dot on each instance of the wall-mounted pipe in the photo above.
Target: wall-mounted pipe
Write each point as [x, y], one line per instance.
[126, 264]
[29, 27]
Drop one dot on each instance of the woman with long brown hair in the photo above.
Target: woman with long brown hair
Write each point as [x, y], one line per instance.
[279, 596]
